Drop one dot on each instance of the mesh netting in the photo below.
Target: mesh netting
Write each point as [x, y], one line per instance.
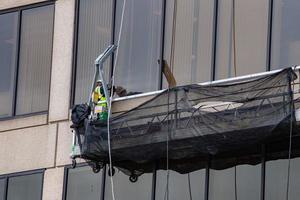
[191, 124]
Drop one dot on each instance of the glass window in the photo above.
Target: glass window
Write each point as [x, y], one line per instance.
[285, 34]
[222, 183]
[180, 186]
[8, 57]
[82, 183]
[276, 179]
[251, 31]
[27, 187]
[35, 60]
[140, 45]
[192, 54]
[126, 190]
[2, 188]
[94, 36]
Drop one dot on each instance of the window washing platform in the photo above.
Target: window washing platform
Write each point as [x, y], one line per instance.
[183, 128]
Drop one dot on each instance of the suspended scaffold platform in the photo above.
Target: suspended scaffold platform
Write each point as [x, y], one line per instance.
[226, 121]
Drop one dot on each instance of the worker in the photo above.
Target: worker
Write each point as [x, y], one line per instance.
[100, 102]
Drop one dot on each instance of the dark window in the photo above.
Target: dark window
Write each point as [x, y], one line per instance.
[285, 34]
[2, 188]
[94, 35]
[126, 190]
[28, 187]
[180, 186]
[82, 183]
[25, 52]
[25, 186]
[8, 54]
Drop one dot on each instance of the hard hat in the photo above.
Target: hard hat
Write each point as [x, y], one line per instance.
[98, 81]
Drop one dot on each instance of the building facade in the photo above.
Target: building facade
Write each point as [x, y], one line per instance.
[47, 51]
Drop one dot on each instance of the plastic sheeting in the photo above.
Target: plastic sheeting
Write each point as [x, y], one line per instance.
[188, 125]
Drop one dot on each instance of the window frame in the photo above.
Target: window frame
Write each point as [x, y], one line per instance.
[6, 177]
[19, 11]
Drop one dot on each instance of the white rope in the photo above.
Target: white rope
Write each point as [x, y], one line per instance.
[110, 102]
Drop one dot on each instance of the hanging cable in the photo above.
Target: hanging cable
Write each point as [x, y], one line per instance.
[235, 183]
[290, 134]
[166, 196]
[173, 35]
[110, 102]
[233, 38]
[190, 188]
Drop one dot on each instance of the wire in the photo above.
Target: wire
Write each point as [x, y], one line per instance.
[173, 35]
[190, 189]
[290, 137]
[233, 37]
[166, 197]
[110, 102]
[235, 183]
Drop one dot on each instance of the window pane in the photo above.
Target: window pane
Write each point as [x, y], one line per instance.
[35, 60]
[276, 179]
[251, 30]
[139, 50]
[222, 183]
[193, 41]
[181, 186]
[94, 36]
[8, 52]
[83, 184]
[2, 188]
[285, 34]
[126, 190]
[27, 187]
[248, 182]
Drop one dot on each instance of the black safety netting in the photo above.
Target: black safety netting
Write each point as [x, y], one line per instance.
[181, 128]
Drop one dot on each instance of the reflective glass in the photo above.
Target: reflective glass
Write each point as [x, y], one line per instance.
[251, 33]
[277, 177]
[2, 188]
[94, 36]
[285, 34]
[180, 186]
[222, 183]
[126, 190]
[35, 60]
[8, 55]
[190, 59]
[83, 184]
[27, 187]
[139, 50]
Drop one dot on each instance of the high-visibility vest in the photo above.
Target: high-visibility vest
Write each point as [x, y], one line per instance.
[97, 94]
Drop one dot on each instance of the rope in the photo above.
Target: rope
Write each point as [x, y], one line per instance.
[233, 38]
[290, 142]
[173, 35]
[190, 190]
[166, 197]
[235, 183]
[110, 102]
